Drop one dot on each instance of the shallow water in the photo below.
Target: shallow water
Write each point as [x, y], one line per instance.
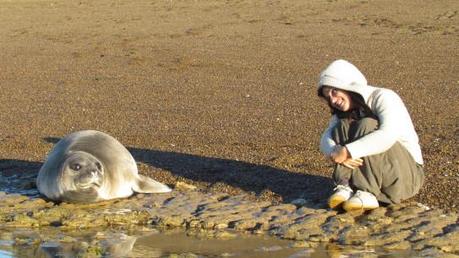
[149, 242]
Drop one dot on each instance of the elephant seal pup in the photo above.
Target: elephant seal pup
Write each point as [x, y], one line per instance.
[91, 166]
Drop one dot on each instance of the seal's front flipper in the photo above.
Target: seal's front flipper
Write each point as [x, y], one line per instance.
[147, 185]
[80, 196]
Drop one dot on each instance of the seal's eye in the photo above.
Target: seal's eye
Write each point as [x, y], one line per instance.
[76, 167]
[99, 166]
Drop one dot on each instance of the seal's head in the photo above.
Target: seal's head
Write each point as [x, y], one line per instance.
[82, 170]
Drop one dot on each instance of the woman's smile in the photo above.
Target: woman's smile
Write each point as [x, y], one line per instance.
[338, 99]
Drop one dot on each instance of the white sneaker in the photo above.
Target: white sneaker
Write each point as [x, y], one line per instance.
[342, 193]
[361, 200]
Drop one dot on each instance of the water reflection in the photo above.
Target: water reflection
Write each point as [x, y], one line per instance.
[5, 253]
[57, 243]
[111, 245]
[176, 243]
[148, 242]
[48, 243]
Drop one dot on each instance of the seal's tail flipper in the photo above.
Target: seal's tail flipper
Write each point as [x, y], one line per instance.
[148, 185]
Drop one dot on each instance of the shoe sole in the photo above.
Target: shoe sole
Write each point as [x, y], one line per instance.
[336, 201]
[356, 207]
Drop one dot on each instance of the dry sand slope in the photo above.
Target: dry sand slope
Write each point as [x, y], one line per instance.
[223, 92]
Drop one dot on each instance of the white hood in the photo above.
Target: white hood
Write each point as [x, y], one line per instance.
[343, 75]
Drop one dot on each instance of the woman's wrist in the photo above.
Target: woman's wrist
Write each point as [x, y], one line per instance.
[340, 154]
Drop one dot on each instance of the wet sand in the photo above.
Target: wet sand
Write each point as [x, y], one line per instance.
[222, 95]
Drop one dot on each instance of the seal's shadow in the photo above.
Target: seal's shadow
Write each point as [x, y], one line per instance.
[247, 176]
[18, 176]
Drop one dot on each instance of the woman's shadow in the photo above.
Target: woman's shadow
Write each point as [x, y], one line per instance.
[247, 176]
[244, 175]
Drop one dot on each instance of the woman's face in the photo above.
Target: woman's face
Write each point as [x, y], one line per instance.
[337, 98]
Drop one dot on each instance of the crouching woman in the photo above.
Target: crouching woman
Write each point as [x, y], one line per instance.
[370, 138]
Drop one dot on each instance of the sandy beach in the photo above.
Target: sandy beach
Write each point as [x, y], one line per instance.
[222, 94]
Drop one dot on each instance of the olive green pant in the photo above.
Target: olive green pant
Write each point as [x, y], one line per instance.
[392, 176]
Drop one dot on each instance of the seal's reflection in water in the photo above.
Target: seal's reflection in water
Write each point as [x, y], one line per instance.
[151, 243]
[103, 245]
[114, 245]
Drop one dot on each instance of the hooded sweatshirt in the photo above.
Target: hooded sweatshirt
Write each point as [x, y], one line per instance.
[395, 123]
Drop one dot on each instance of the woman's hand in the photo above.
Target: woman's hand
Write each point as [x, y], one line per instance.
[352, 163]
[342, 156]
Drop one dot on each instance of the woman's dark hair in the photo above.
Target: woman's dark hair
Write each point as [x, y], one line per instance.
[360, 110]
